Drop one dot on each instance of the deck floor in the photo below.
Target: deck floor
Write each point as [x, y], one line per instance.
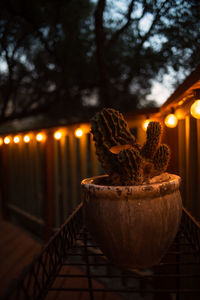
[17, 249]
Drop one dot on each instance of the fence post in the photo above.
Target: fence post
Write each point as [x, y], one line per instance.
[170, 137]
[49, 205]
[182, 157]
[4, 181]
[191, 166]
[198, 168]
[83, 156]
[94, 159]
[73, 170]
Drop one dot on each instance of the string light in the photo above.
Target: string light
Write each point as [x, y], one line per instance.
[145, 124]
[78, 132]
[1, 141]
[171, 121]
[40, 137]
[195, 108]
[57, 135]
[7, 140]
[16, 139]
[26, 138]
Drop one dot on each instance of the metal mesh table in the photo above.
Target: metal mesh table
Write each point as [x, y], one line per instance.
[71, 266]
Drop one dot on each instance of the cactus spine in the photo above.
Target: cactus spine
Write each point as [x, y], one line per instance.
[132, 164]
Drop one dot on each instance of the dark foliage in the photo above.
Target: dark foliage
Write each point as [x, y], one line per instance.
[71, 58]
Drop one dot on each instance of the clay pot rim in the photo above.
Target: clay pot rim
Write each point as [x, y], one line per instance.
[166, 185]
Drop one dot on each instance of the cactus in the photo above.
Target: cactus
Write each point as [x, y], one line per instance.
[153, 140]
[110, 129]
[110, 126]
[122, 158]
[161, 158]
[131, 173]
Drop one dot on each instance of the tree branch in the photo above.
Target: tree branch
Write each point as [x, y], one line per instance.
[29, 20]
[101, 52]
[7, 91]
[145, 37]
[124, 27]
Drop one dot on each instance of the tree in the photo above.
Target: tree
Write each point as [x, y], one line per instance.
[47, 49]
[145, 40]
[70, 58]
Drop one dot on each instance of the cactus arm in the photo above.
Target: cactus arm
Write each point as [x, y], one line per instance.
[131, 161]
[152, 141]
[110, 126]
[109, 129]
[161, 158]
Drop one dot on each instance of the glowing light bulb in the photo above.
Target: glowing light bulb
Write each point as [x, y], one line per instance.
[40, 137]
[57, 135]
[195, 109]
[26, 138]
[7, 140]
[171, 121]
[145, 124]
[16, 139]
[78, 132]
[1, 141]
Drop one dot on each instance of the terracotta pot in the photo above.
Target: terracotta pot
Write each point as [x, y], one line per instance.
[133, 225]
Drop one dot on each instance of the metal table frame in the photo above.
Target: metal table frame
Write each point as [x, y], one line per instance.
[176, 277]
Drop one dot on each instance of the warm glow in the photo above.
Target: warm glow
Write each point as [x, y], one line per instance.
[57, 135]
[171, 121]
[16, 139]
[1, 141]
[26, 138]
[78, 132]
[145, 124]
[7, 140]
[118, 148]
[180, 102]
[195, 109]
[40, 137]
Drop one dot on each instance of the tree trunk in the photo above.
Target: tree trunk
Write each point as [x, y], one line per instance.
[104, 83]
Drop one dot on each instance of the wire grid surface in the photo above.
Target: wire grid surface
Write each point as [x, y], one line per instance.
[85, 273]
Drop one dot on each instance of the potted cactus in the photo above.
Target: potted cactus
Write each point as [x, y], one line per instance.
[134, 211]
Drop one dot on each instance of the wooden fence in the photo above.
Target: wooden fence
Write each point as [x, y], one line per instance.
[40, 180]
[184, 140]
